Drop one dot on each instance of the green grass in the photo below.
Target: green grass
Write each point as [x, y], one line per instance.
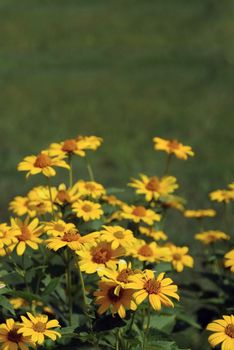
[126, 71]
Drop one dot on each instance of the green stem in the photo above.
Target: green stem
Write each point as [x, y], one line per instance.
[51, 198]
[147, 328]
[168, 162]
[82, 286]
[225, 217]
[132, 321]
[70, 172]
[69, 285]
[89, 168]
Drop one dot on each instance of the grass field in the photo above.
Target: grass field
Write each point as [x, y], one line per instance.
[126, 71]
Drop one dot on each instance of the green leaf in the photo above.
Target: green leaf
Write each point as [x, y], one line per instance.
[6, 305]
[157, 340]
[51, 286]
[164, 323]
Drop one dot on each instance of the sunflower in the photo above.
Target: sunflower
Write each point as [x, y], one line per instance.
[150, 252]
[66, 195]
[200, 213]
[153, 187]
[153, 233]
[157, 289]
[42, 163]
[180, 258]
[89, 189]
[118, 236]
[222, 196]
[108, 296]
[70, 238]
[67, 148]
[229, 260]
[87, 210]
[223, 332]
[173, 147]
[90, 142]
[139, 214]
[38, 327]
[21, 206]
[98, 255]
[211, 236]
[10, 339]
[27, 233]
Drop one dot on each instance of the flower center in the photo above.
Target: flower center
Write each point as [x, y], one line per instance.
[87, 208]
[71, 236]
[139, 211]
[69, 146]
[124, 274]
[229, 330]
[101, 255]
[119, 234]
[13, 336]
[153, 184]
[63, 196]
[152, 286]
[112, 296]
[145, 250]
[25, 233]
[90, 187]
[173, 144]
[42, 161]
[39, 327]
[177, 256]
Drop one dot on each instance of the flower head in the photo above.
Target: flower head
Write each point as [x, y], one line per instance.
[229, 260]
[211, 236]
[223, 332]
[119, 273]
[118, 236]
[67, 148]
[150, 252]
[11, 339]
[180, 258]
[90, 142]
[157, 235]
[173, 147]
[89, 189]
[200, 213]
[87, 210]
[139, 214]
[225, 196]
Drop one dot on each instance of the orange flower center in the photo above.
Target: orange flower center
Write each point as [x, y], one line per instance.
[124, 274]
[101, 255]
[87, 208]
[42, 161]
[69, 146]
[90, 187]
[25, 233]
[145, 250]
[229, 330]
[39, 327]
[152, 286]
[173, 144]
[71, 236]
[119, 234]
[112, 296]
[153, 184]
[177, 256]
[139, 211]
[63, 196]
[13, 336]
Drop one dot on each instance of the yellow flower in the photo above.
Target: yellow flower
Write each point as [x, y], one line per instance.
[67, 148]
[42, 163]
[231, 186]
[71, 238]
[10, 339]
[39, 200]
[211, 236]
[7, 238]
[173, 147]
[87, 210]
[97, 256]
[19, 303]
[89, 189]
[153, 233]
[113, 200]
[150, 252]
[199, 213]
[21, 206]
[66, 195]
[117, 299]
[180, 258]
[222, 196]
[157, 289]
[223, 332]
[38, 327]
[57, 227]
[119, 274]
[171, 201]
[139, 214]
[154, 187]
[27, 233]
[229, 260]
[90, 142]
[118, 236]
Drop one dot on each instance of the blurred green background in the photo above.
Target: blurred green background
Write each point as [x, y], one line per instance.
[123, 70]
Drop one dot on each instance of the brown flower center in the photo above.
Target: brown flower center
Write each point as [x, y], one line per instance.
[177, 256]
[229, 330]
[124, 274]
[119, 234]
[63, 196]
[69, 146]
[90, 187]
[101, 255]
[87, 208]
[139, 211]
[39, 327]
[145, 250]
[25, 233]
[71, 236]
[42, 161]
[152, 286]
[153, 184]
[112, 296]
[173, 144]
[13, 336]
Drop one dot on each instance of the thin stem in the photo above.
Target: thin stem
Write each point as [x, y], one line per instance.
[168, 162]
[70, 172]
[82, 286]
[225, 217]
[69, 284]
[132, 321]
[51, 198]
[147, 327]
[89, 168]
